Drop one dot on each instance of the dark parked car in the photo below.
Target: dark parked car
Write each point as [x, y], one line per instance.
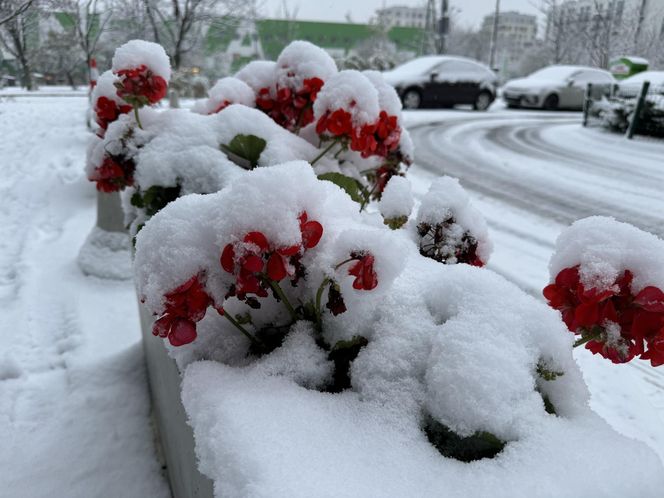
[443, 81]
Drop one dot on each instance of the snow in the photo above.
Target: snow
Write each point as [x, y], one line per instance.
[352, 91]
[105, 88]
[136, 53]
[226, 91]
[605, 248]
[532, 174]
[388, 99]
[60, 369]
[397, 199]
[656, 79]
[288, 436]
[301, 60]
[258, 74]
[71, 344]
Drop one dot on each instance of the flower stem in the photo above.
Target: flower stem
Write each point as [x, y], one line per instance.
[327, 149]
[319, 296]
[279, 292]
[583, 340]
[242, 329]
[138, 120]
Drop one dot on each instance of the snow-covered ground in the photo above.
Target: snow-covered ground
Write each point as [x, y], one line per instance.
[532, 174]
[74, 406]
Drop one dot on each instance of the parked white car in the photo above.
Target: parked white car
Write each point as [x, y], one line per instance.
[631, 87]
[555, 87]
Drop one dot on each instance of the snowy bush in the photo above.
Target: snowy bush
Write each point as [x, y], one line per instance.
[225, 92]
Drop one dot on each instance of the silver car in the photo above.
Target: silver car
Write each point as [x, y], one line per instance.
[556, 87]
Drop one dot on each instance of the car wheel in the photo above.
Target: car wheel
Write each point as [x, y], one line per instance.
[483, 101]
[551, 103]
[411, 99]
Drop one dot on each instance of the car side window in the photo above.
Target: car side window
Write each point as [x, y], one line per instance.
[462, 71]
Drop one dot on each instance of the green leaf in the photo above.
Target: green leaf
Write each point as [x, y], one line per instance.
[467, 449]
[350, 185]
[547, 374]
[247, 147]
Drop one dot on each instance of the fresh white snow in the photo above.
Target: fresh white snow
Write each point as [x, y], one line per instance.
[74, 405]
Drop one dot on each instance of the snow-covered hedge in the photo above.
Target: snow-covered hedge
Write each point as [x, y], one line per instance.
[333, 346]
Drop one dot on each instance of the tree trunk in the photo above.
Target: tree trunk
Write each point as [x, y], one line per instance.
[26, 74]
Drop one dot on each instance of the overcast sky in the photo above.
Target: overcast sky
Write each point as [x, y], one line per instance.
[470, 12]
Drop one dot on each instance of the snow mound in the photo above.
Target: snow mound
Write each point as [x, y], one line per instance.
[604, 248]
[258, 74]
[301, 60]
[136, 53]
[397, 199]
[225, 92]
[106, 255]
[352, 91]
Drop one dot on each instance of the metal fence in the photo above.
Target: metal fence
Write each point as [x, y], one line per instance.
[628, 110]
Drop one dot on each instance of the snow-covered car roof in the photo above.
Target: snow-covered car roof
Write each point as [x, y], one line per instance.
[656, 78]
[560, 72]
[421, 65]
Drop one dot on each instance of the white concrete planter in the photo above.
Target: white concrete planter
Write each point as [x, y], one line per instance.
[175, 435]
[106, 252]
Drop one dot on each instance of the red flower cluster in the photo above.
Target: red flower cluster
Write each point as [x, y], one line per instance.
[374, 139]
[184, 306]
[114, 174]
[291, 109]
[140, 86]
[618, 324]
[363, 271]
[107, 111]
[254, 259]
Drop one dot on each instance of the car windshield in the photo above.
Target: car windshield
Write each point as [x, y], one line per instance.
[416, 67]
[559, 73]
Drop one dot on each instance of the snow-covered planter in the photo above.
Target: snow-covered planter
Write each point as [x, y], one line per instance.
[322, 354]
[331, 340]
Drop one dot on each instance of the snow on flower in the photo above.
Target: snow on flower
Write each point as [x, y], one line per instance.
[612, 295]
[107, 105]
[225, 92]
[143, 70]
[299, 74]
[450, 230]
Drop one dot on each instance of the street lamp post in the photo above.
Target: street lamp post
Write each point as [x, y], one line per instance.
[494, 36]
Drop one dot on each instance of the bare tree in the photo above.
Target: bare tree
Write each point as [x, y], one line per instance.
[9, 10]
[88, 21]
[15, 36]
[179, 25]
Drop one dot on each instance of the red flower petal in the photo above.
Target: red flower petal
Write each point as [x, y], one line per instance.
[276, 267]
[162, 326]
[228, 258]
[650, 299]
[253, 264]
[259, 239]
[312, 231]
[182, 332]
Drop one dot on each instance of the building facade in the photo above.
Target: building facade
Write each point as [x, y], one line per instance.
[400, 15]
[517, 34]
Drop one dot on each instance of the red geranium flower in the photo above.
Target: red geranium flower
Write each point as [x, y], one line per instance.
[184, 306]
[363, 271]
[113, 175]
[290, 107]
[107, 111]
[140, 86]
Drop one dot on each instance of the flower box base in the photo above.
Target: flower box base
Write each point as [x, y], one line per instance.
[175, 435]
[106, 252]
